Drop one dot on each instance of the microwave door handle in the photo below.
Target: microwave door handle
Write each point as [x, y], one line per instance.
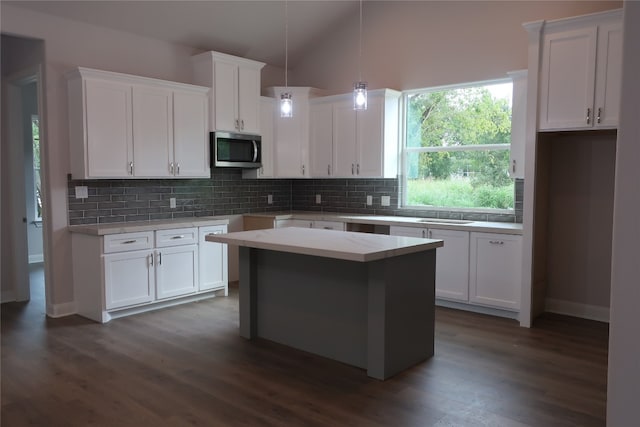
[255, 151]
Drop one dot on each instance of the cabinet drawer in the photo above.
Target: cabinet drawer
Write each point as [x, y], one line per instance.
[176, 237]
[128, 242]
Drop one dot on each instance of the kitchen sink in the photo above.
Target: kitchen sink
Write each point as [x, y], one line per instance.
[445, 221]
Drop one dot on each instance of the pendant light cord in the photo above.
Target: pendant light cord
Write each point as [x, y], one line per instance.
[360, 53]
[286, 43]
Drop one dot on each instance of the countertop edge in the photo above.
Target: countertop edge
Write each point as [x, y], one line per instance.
[132, 227]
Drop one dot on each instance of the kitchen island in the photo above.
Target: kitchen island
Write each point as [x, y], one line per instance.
[363, 299]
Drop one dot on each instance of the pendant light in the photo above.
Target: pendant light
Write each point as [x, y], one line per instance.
[286, 103]
[360, 88]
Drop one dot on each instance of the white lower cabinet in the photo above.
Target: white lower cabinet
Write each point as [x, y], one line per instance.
[474, 268]
[213, 261]
[119, 274]
[129, 278]
[452, 260]
[494, 278]
[303, 223]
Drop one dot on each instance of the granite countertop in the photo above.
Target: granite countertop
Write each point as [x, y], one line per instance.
[445, 224]
[351, 246]
[132, 227]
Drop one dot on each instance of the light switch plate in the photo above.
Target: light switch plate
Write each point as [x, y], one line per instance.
[369, 200]
[172, 202]
[385, 200]
[318, 199]
[270, 199]
[82, 192]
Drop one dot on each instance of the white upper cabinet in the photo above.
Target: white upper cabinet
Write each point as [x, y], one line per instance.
[292, 133]
[355, 144]
[123, 126]
[580, 72]
[518, 123]
[268, 109]
[235, 97]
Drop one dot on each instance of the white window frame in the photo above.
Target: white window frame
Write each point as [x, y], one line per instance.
[404, 150]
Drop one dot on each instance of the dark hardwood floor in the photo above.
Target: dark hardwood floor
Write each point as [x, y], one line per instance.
[187, 366]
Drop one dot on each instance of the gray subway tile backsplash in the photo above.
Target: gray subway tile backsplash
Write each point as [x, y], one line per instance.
[227, 193]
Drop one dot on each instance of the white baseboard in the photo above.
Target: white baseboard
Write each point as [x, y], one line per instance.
[584, 311]
[477, 308]
[61, 310]
[36, 258]
[7, 296]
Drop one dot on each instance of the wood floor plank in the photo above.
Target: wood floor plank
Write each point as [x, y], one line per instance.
[187, 366]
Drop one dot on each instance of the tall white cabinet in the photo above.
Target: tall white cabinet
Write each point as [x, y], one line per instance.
[123, 126]
[235, 83]
[580, 72]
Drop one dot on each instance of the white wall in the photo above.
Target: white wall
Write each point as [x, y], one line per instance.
[624, 345]
[417, 44]
[69, 44]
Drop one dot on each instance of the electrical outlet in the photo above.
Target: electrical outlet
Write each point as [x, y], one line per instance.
[318, 199]
[82, 192]
[369, 200]
[270, 199]
[385, 200]
[172, 202]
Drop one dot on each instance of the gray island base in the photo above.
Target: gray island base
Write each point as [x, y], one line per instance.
[373, 310]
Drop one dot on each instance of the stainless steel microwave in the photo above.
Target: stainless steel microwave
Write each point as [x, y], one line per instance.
[236, 150]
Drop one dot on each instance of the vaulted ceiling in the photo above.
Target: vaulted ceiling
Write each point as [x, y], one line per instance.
[251, 29]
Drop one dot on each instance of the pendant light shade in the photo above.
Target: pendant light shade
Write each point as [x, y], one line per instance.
[360, 88]
[286, 103]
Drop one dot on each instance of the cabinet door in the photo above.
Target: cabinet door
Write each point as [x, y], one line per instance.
[321, 139]
[495, 270]
[225, 95]
[109, 129]
[292, 141]
[567, 79]
[152, 132]
[344, 140]
[267, 132]
[518, 123]
[128, 278]
[370, 143]
[176, 271]
[191, 135]
[213, 260]
[608, 75]
[249, 100]
[452, 264]
[281, 223]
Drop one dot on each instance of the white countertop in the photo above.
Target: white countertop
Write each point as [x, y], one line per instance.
[133, 227]
[444, 224]
[351, 246]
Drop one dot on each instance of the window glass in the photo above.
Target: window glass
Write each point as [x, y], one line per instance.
[456, 152]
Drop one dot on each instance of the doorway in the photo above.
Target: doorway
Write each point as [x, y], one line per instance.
[23, 255]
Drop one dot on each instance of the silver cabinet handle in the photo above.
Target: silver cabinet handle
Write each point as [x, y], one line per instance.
[311, 225]
[496, 242]
[329, 170]
[430, 234]
[303, 170]
[513, 166]
[588, 116]
[242, 124]
[599, 114]
[171, 168]
[177, 237]
[237, 124]
[177, 168]
[130, 168]
[358, 169]
[128, 242]
[214, 233]
[159, 258]
[151, 259]
[352, 169]
[423, 233]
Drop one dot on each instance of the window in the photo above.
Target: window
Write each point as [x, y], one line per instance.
[456, 149]
[35, 134]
